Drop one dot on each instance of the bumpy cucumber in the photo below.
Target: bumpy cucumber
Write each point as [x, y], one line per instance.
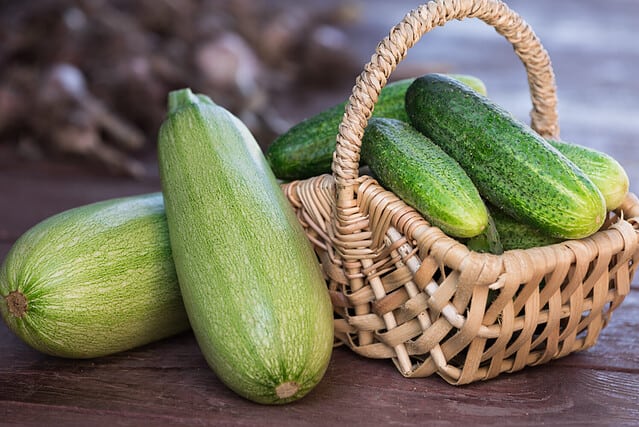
[602, 169]
[487, 241]
[307, 148]
[509, 234]
[94, 280]
[251, 283]
[512, 166]
[424, 176]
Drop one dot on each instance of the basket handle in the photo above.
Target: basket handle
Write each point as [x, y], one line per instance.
[392, 50]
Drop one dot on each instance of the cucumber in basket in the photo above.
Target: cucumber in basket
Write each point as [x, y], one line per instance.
[603, 170]
[94, 280]
[512, 166]
[250, 280]
[306, 149]
[410, 165]
[509, 234]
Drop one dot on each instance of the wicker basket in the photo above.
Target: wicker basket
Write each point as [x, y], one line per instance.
[402, 289]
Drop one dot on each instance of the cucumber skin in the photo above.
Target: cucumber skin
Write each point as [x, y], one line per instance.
[99, 279]
[515, 234]
[250, 280]
[509, 234]
[306, 149]
[410, 165]
[512, 166]
[602, 169]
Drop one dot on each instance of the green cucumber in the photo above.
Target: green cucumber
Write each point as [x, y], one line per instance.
[94, 280]
[306, 149]
[251, 282]
[509, 234]
[602, 169]
[488, 241]
[514, 234]
[424, 176]
[513, 167]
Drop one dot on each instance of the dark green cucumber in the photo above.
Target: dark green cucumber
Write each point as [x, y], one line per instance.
[306, 149]
[424, 176]
[250, 280]
[94, 280]
[512, 166]
[488, 241]
[514, 234]
[602, 169]
[509, 234]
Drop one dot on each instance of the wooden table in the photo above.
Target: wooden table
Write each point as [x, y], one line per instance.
[169, 383]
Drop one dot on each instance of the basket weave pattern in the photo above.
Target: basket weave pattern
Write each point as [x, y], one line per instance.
[402, 289]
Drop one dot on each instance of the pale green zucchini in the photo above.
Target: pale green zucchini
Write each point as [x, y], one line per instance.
[94, 280]
[251, 283]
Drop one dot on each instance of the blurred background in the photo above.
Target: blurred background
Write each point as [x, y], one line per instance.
[84, 83]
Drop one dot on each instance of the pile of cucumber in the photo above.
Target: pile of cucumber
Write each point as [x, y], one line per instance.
[463, 161]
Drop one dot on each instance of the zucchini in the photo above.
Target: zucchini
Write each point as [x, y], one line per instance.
[251, 283]
[306, 149]
[94, 280]
[603, 170]
[513, 167]
[424, 176]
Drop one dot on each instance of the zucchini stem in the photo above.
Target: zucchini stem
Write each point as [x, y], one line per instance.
[17, 303]
[287, 389]
[182, 98]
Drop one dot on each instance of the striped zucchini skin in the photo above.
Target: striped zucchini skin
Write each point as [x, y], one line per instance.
[602, 169]
[424, 176]
[94, 280]
[306, 149]
[512, 166]
[251, 283]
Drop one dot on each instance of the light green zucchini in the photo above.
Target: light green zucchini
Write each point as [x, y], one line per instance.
[251, 283]
[94, 280]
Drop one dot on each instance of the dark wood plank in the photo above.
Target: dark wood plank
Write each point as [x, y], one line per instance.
[354, 391]
[169, 382]
[35, 191]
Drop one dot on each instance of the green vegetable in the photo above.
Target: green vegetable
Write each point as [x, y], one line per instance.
[94, 280]
[603, 170]
[515, 234]
[508, 234]
[306, 149]
[424, 176]
[251, 283]
[512, 166]
[487, 241]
